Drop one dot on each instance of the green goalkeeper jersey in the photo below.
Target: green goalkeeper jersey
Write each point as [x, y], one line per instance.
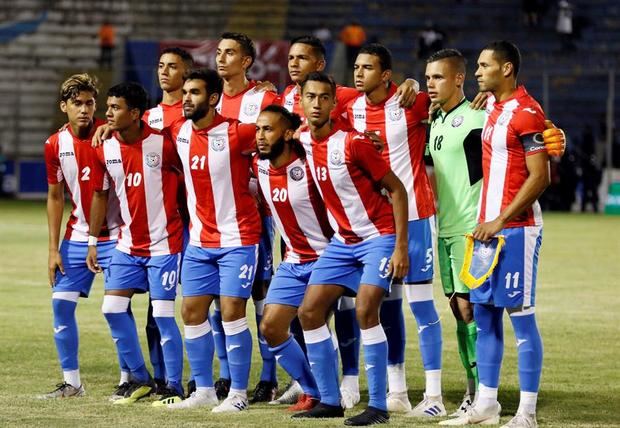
[456, 150]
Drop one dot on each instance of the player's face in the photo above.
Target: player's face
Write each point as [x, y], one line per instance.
[302, 61]
[442, 81]
[230, 60]
[195, 99]
[318, 101]
[80, 110]
[271, 135]
[489, 72]
[368, 74]
[170, 72]
[119, 115]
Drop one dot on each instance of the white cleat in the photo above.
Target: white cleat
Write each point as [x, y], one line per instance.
[197, 399]
[233, 403]
[64, 390]
[468, 401]
[429, 407]
[489, 416]
[522, 420]
[291, 395]
[398, 402]
[349, 398]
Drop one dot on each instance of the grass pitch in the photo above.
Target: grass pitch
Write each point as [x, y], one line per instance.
[577, 306]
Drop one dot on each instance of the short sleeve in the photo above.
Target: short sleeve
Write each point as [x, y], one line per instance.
[99, 176]
[270, 98]
[366, 156]
[344, 96]
[528, 120]
[246, 133]
[52, 162]
[420, 107]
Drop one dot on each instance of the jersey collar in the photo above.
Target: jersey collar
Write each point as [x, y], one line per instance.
[443, 116]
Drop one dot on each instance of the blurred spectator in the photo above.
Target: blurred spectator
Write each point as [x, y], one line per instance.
[323, 34]
[353, 36]
[430, 41]
[531, 12]
[564, 25]
[106, 43]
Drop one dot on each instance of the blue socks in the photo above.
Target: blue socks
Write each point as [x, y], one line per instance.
[293, 361]
[219, 340]
[171, 342]
[66, 333]
[239, 351]
[393, 323]
[529, 349]
[420, 297]
[199, 345]
[322, 357]
[375, 362]
[348, 333]
[268, 372]
[490, 343]
[153, 338]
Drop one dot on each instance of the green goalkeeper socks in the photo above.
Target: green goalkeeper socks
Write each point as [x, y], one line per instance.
[466, 337]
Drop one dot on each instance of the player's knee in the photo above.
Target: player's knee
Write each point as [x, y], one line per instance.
[269, 329]
[367, 314]
[163, 308]
[233, 309]
[115, 304]
[309, 317]
[191, 315]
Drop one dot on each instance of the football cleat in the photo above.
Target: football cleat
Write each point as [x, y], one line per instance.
[370, 416]
[290, 395]
[161, 387]
[168, 396]
[222, 388]
[191, 387]
[64, 390]
[321, 411]
[522, 420]
[206, 398]
[265, 391]
[429, 407]
[136, 391]
[348, 397]
[398, 402]
[233, 403]
[305, 403]
[488, 416]
[120, 391]
[468, 401]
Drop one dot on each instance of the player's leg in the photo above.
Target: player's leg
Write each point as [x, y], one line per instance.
[222, 385]
[200, 285]
[348, 333]
[237, 268]
[419, 289]
[156, 356]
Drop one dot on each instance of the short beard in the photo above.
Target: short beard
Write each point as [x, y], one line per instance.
[199, 113]
[276, 150]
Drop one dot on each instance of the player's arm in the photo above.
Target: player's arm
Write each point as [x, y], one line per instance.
[98, 210]
[480, 101]
[399, 262]
[55, 208]
[537, 181]
[407, 92]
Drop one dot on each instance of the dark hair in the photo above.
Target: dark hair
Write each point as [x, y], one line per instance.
[317, 46]
[381, 52]
[505, 51]
[247, 45]
[455, 57]
[319, 76]
[213, 82]
[134, 94]
[293, 121]
[185, 56]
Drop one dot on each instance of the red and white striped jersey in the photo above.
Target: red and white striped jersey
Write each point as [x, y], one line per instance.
[216, 166]
[297, 208]
[162, 115]
[404, 134]
[503, 155]
[145, 177]
[290, 99]
[346, 168]
[73, 161]
[247, 105]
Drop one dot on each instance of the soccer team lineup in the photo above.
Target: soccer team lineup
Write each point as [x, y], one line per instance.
[365, 194]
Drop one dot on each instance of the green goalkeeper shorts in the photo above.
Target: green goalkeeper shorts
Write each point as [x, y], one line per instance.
[451, 254]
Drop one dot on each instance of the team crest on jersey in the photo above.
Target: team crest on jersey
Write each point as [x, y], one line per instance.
[336, 158]
[153, 160]
[395, 113]
[250, 109]
[504, 118]
[297, 173]
[218, 143]
[457, 121]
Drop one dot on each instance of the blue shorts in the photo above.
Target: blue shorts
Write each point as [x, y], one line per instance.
[77, 277]
[351, 265]
[513, 282]
[264, 265]
[159, 275]
[219, 271]
[420, 251]
[289, 284]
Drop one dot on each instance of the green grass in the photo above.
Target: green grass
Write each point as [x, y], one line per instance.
[577, 307]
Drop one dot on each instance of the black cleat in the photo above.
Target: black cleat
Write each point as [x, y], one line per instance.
[222, 388]
[370, 416]
[321, 410]
[160, 387]
[120, 391]
[191, 387]
[264, 392]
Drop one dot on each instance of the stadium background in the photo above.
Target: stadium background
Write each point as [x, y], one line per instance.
[42, 41]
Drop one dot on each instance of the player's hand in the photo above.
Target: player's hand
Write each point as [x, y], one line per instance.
[54, 262]
[399, 262]
[376, 140]
[555, 139]
[91, 259]
[101, 134]
[265, 86]
[431, 110]
[485, 231]
[480, 101]
[407, 92]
